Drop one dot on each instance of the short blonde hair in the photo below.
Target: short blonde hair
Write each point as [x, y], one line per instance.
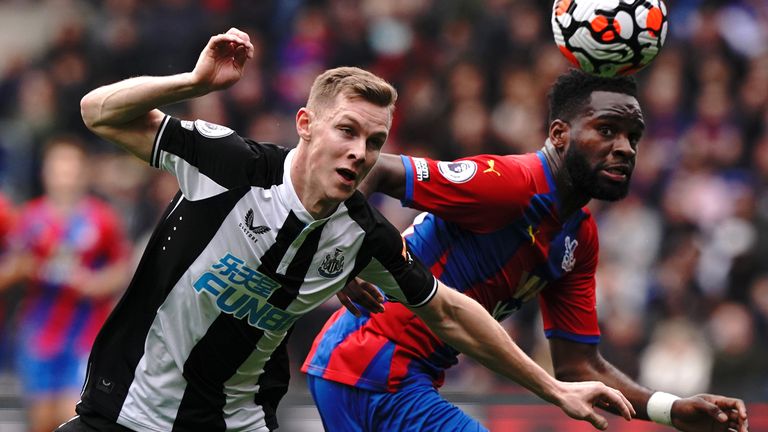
[353, 82]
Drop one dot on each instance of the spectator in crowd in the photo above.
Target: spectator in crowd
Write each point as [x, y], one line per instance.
[7, 299]
[69, 250]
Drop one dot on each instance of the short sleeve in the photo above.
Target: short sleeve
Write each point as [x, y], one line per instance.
[394, 269]
[568, 306]
[480, 193]
[208, 159]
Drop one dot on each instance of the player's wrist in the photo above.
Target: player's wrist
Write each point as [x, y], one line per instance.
[193, 84]
[659, 407]
[555, 392]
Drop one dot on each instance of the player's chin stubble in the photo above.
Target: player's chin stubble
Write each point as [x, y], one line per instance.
[586, 179]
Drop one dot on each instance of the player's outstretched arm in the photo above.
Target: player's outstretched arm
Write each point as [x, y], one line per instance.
[126, 112]
[464, 324]
[575, 361]
[387, 176]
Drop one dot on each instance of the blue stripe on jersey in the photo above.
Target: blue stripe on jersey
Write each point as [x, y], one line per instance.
[343, 327]
[423, 240]
[547, 172]
[407, 200]
[587, 339]
[376, 375]
[473, 257]
[469, 261]
[443, 357]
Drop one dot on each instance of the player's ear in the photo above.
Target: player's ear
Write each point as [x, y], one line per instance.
[559, 133]
[303, 123]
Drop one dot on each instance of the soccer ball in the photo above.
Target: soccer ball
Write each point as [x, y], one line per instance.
[609, 37]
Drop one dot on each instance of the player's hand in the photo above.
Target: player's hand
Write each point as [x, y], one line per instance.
[363, 293]
[710, 413]
[223, 59]
[579, 399]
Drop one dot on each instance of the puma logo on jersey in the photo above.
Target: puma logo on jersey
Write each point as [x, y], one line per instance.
[491, 168]
[569, 257]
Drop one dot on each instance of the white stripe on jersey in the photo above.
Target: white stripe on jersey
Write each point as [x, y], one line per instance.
[194, 185]
[239, 411]
[180, 322]
[186, 315]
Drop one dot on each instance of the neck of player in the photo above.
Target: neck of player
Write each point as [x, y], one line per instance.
[570, 198]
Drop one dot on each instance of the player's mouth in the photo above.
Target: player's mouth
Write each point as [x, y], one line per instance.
[348, 175]
[616, 173]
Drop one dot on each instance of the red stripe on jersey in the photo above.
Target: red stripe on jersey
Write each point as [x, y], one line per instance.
[363, 346]
[54, 332]
[99, 314]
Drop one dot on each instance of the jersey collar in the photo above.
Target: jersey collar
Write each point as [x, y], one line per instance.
[291, 198]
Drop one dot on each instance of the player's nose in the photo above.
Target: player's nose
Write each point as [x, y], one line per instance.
[623, 146]
[356, 150]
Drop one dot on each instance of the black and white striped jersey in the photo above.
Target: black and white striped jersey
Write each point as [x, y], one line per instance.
[198, 340]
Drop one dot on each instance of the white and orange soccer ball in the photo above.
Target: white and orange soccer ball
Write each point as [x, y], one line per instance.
[609, 37]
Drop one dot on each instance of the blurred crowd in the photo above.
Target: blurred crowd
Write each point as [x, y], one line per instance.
[683, 276]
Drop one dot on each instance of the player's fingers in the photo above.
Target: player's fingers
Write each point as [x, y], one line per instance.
[344, 299]
[738, 424]
[598, 421]
[371, 297]
[740, 407]
[239, 33]
[222, 41]
[632, 412]
[371, 290]
[618, 401]
[715, 412]
[367, 301]
[365, 294]
[250, 50]
[728, 404]
[241, 55]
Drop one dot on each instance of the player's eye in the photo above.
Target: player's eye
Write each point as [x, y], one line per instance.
[375, 144]
[346, 130]
[606, 131]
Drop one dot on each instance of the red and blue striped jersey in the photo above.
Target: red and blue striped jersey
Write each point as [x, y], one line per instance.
[492, 232]
[55, 314]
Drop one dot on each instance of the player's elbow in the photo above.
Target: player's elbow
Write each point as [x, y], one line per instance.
[90, 107]
[441, 313]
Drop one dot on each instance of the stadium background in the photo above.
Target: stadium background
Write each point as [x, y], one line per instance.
[683, 276]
